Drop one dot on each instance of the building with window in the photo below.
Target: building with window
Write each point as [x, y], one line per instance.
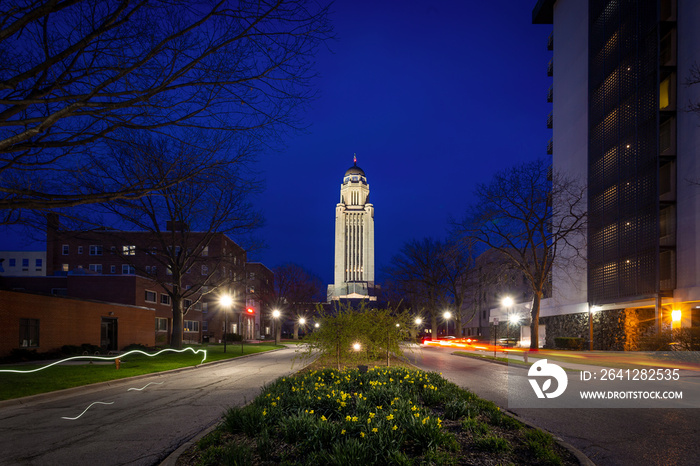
[22, 263]
[208, 264]
[619, 119]
[44, 323]
[354, 239]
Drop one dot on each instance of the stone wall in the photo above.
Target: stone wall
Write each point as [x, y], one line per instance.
[613, 330]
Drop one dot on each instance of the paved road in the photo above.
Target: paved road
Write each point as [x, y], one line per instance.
[607, 436]
[139, 427]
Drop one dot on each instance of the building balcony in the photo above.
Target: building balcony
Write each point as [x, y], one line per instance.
[550, 41]
[550, 68]
[550, 120]
[550, 147]
[550, 94]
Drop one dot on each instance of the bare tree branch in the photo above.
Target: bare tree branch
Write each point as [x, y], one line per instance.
[78, 77]
[530, 216]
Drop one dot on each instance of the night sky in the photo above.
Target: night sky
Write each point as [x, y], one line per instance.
[433, 97]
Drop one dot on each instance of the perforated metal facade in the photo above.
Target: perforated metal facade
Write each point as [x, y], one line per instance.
[623, 181]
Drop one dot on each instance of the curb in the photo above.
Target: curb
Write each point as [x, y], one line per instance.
[580, 456]
[172, 458]
[86, 388]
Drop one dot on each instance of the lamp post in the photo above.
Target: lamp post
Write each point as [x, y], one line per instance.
[591, 310]
[276, 316]
[419, 329]
[225, 301]
[447, 316]
[507, 302]
[300, 323]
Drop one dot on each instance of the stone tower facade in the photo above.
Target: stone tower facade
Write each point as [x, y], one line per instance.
[354, 239]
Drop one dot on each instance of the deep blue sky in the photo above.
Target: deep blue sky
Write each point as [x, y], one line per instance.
[433, 97]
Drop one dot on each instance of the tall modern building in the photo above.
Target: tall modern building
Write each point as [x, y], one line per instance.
[354, 239]
[619, 118]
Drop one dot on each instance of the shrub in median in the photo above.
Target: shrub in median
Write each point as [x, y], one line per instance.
[383, 416]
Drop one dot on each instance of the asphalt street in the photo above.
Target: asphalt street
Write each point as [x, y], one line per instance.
[630, 436]
[140, 426]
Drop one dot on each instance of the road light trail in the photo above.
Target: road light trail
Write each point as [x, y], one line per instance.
[108, 358]
[91, 404]
[150, 383]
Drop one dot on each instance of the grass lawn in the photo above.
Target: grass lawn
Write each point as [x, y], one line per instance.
[66, 375]
[394, 415]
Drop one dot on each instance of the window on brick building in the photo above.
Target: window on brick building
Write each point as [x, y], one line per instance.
[65, 249]
[80, 249]
[96, 268]
[113, 269]
[13, 262]
[128, 269]
[65, 267]
[205, 270]
[165, 299]
[161, 324]
[129, 250]
[29, 333]
[151, 296]
[191, 326]
[96, 250]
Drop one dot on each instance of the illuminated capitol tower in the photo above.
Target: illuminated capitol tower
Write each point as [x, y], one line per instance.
[354, 239]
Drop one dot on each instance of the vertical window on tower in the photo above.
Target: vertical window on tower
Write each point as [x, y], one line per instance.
[666, 93]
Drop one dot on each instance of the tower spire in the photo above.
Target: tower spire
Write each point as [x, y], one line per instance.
[354, 159]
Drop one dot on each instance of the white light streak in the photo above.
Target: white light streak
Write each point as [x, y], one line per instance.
[108, 358]
[91, 404]
[149, 383]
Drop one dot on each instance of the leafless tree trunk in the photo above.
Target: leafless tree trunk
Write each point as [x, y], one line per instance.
[295, 289]
[420, 275]
[530, 216]
[181, 223]
[79, 78]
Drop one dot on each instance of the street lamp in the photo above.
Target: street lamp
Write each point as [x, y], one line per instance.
[591, 310]
[447, 315]
[276, 316]
[301, 322]
[225, 301]
[317, 325]
[507, 302]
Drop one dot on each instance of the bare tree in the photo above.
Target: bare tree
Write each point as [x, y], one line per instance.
[79, 77]
[183, 226]
[535, 219]
[459, 269]
[419, 273]
[295, 289]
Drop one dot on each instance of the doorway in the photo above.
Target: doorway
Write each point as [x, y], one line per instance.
[108, 334]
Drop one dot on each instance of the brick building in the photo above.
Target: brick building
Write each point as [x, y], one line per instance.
[197, 266]
[45, 323]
